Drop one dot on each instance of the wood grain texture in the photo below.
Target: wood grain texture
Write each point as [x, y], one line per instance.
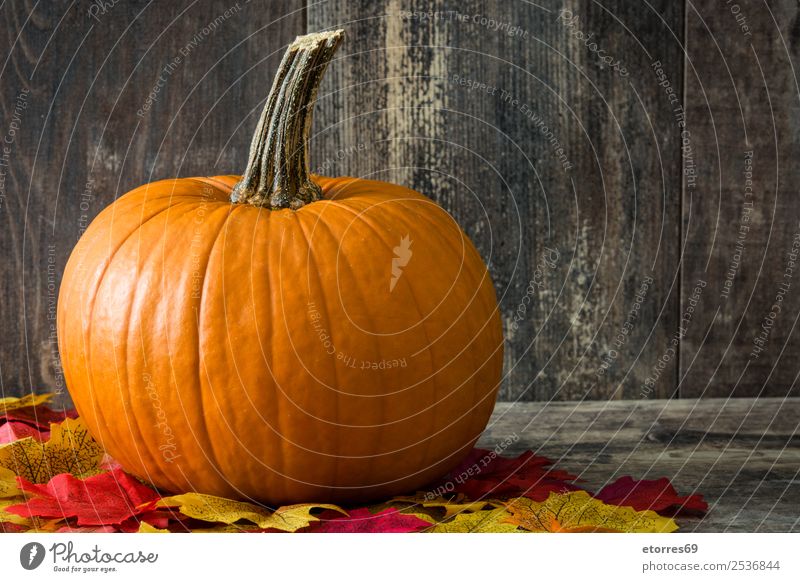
[741, 454]
[118, 96]
[743, 238]
[559, 167]
[503, 113]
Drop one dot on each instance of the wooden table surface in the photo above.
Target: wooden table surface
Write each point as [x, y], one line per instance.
[742, 454]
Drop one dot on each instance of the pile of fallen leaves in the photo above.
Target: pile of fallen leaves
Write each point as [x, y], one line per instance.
[54, 477]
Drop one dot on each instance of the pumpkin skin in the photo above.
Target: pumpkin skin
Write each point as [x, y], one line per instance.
[252, 353]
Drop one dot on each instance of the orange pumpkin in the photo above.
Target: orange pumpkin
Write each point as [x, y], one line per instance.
[280, 336]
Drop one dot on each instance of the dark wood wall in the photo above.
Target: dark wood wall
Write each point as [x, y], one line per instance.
[625, 168]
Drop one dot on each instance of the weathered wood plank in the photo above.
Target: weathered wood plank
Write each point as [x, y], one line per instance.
[427, 99]
[562, 171]
[742, 454]
[742, 216]
[119, 94]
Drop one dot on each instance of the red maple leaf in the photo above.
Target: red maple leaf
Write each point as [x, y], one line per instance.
[37, 416]
[485, 474]
[14, 431]
[362, 521]
[657, 495]
[95, 529]
[108, 499]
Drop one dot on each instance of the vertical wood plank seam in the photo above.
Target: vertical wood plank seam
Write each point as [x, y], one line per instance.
[679, 242]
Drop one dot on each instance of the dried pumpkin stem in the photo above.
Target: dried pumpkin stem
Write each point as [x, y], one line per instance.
[277, 174]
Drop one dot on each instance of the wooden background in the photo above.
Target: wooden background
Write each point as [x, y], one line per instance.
[581, 183]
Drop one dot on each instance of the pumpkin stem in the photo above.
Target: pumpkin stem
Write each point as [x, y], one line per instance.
[277, 174]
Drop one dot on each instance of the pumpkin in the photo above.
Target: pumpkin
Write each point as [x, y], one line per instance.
[281, 336]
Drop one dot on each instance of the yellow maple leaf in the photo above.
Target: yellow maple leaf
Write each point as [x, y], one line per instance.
[6, 517]
[12, 403]
[8, 483]
[145, 527]
[70, 449]
[577, 511]
[486, 521]
[220, 510]
[294, 517]
[451, 506]
[225, 528]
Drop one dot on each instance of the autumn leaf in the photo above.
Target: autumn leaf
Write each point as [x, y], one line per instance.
[7, 517]
[294, 517]
[218, 509]
[484, 473]
[489, 521]
[577, 511]
[29, 411]
[155, 519]
[657, 495]
[451, 507]
[145, 527]
[40, 417]
[232, 528]
[8, 484]
[12, 403]
[108, 499]
[70, 449]
[10, 494]
[363, 521]
[96, 529]
[15, 430]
